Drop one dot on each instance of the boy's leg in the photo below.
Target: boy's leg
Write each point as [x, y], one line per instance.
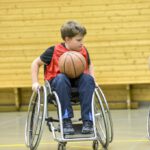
[61, 84]
[86, 86]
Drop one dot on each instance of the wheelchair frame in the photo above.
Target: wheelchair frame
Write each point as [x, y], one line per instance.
[38, 113]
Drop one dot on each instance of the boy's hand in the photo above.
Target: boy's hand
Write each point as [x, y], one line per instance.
[96, 84]
[35, 86]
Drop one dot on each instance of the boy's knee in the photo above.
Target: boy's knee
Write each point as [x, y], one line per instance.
[88, 78]
[61, 78]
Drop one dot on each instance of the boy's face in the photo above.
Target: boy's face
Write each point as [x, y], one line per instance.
[74, 43]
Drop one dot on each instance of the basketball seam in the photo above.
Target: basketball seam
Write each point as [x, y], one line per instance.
[65, 63]
[81, 60]
[73, 65]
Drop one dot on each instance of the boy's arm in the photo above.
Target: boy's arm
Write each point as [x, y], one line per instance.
[34, 73]
[91, 72]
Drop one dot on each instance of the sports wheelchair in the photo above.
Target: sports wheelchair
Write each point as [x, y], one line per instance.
[38, 114]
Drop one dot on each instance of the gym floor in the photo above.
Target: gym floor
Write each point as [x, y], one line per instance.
[130, 132]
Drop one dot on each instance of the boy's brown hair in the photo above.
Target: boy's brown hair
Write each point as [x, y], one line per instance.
[71, 29]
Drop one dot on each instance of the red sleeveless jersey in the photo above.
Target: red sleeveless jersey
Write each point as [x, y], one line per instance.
[52, 69]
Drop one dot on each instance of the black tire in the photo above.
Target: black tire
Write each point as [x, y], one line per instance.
[35, 119]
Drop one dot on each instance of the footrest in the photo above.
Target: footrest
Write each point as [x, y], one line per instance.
[78, 133]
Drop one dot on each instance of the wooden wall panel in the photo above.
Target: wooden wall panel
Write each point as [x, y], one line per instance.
[25, 95]
[118, 31]
[118, 40]
[7, 97]
[141, 92]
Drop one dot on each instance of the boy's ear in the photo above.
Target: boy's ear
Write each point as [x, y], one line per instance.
[67, 39]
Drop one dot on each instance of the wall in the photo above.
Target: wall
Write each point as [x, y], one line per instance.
[118, 41]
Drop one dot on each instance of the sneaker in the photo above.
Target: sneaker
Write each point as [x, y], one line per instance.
[67, 126]
[87, 127]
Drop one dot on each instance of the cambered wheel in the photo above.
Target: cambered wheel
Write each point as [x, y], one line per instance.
[107, 113]
[36, 118]
[101, 121]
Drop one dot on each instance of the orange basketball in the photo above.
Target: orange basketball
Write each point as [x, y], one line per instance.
[72, 64]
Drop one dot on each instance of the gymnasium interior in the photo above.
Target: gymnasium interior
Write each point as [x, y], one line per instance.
[118, 41]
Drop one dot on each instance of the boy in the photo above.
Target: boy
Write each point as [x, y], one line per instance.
[72, 33]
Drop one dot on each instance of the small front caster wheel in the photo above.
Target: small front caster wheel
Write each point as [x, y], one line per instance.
[95, 145]
[61, 146]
